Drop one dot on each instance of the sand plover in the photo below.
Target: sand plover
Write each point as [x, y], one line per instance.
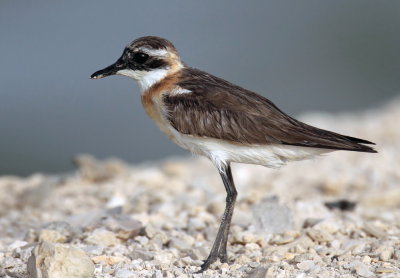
[217, 119]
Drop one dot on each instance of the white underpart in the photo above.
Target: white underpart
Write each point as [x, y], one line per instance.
[145, 79]
[222, 152]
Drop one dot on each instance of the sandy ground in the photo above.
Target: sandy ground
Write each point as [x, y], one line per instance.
[160, 219]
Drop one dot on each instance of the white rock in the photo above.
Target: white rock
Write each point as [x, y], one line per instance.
[328, 225]
[124, 273]
[123, 225]
[319, 235]
[59, 261]
[374, 230]
[57, 232]
[196, 224]
[102, 237]
[52, 236]
[150, 231]
[163, 257]
[281, 239]
[182, 243]
[272, 217]
[157, 274]
[306, 265]
[387, 253]
[366, 259]
[141, 254]
[246, 237]
[363, 270]
[93, 250]
[107, 260]
[17, 245]
[94, 170]
[258, 272]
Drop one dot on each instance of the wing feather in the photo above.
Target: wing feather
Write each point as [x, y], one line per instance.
[218, 109]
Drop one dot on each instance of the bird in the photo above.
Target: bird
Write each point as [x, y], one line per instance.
[224, 122]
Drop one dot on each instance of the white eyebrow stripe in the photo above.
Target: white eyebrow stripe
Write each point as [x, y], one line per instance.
[154, 52]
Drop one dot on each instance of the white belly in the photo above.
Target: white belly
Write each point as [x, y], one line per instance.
[220, 151]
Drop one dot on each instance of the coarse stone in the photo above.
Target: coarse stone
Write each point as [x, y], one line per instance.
[37, 195]
[56, 260]
[385, 253]
[373, 230]
[306, 265]
[141, 254]
[302, 257]
[31, 236]
[246, 237]
[150, 231]
[183, 243]
[122, 225]
[319, 235]
[270, 216]
[52, 236]
[94, 170]
[311, 222]
[66, 230]
[363, 270]
[282, 239]
[102, 237]
[366, 259]
[328, 225]
[196, 224]
[94, 250]
[109, 260]
[124, 273]
[382, 270]
[163, 257]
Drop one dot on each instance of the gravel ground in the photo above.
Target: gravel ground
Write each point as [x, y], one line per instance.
[335, 216]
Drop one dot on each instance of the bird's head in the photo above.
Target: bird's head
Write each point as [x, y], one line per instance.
[146, 60]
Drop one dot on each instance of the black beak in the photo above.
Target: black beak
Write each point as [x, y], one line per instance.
[110, 70]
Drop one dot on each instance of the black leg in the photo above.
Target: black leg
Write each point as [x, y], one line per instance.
[218, 249]
[231, 193]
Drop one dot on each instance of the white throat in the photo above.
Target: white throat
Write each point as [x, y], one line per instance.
[145, 79]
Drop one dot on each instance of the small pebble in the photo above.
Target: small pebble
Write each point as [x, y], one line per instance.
[382, 270]
[363, 270]
[319, 235]
[386, 254]
[373, 230]
[306, 265]
[102, 237]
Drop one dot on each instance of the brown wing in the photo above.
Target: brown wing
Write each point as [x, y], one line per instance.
[218, 109]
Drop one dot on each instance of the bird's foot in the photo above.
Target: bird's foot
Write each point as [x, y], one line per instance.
[210, 260]
[223, 256]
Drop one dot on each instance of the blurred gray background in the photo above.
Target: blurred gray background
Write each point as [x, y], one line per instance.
[337, 55]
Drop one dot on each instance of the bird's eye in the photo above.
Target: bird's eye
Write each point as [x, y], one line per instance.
[140, 57]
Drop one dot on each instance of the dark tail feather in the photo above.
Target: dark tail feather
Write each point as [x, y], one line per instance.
[359, 147]
[365, 149]
[339, 142]
[320, 138]
[352, 146]
[359, 141]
